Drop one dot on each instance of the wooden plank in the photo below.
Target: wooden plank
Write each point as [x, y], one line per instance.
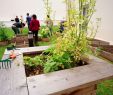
[27, 50]
[98, 43]
[33, 49]
[107, 55]
[66, 81]
[13, 81]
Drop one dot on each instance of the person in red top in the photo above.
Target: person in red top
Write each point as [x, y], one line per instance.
[35, 27]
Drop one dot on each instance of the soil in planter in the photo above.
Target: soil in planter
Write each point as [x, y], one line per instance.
[36, 70]
[30, 71]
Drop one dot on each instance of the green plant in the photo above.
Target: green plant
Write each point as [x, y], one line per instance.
[33, 62]
[58, 62]
[2, 50]
[47, 7]
[44, 32]
[3, 34]
[72, 46]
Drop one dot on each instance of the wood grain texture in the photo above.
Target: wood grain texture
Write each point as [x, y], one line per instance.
[13, 80]
[66, 81]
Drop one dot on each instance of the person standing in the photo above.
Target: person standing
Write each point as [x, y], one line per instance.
[16, 26]
[21, 22]
[28, 20]
[49, 24]
[17, 19]
[34, 27]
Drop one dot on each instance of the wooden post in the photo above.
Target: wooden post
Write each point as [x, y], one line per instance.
[30, 39]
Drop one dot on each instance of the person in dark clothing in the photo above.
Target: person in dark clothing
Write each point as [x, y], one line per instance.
[62, 26]
[15, 28]
[17, 19]
[28, 20]
[34, 27]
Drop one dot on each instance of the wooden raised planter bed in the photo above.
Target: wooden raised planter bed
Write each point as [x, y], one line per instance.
[3, 43]
[106, 52]
[97, 43]
[20, 41]
[106, 49]
[75, 81]
[45, 39]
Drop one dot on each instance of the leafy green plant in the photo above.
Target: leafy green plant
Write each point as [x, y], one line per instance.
[72, 46]
[3, 34]
[33, 62]
[51, 66]
[57, 62]
[44, 32]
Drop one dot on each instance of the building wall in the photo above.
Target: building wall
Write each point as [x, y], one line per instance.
[104, 10]
[10, 8]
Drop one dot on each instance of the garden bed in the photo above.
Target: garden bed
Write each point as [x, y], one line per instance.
[97, 43]
[45, 39]
[105, 51]
[32, 68]
[74, 81]
[80, 80]
[3, 43]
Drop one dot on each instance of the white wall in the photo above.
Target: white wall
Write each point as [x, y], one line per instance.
[105, 12]
[10, 8]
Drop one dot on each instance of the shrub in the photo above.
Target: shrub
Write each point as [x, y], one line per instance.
[3, 33]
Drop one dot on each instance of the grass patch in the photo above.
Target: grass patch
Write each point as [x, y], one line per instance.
[25, 31]
[105, 88]
[44, 43]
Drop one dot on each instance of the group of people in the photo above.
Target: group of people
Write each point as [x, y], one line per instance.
[33, 25]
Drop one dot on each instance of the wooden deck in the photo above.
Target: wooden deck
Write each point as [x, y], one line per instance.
[14, 82]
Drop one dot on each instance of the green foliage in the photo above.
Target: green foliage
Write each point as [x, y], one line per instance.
[3, 33]
[47, 7]
[105, 88]
[33, 62]
[51, 66]
[44, 32]
[2, 49]
[70, 47]
[57, 62]
[49, 50]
